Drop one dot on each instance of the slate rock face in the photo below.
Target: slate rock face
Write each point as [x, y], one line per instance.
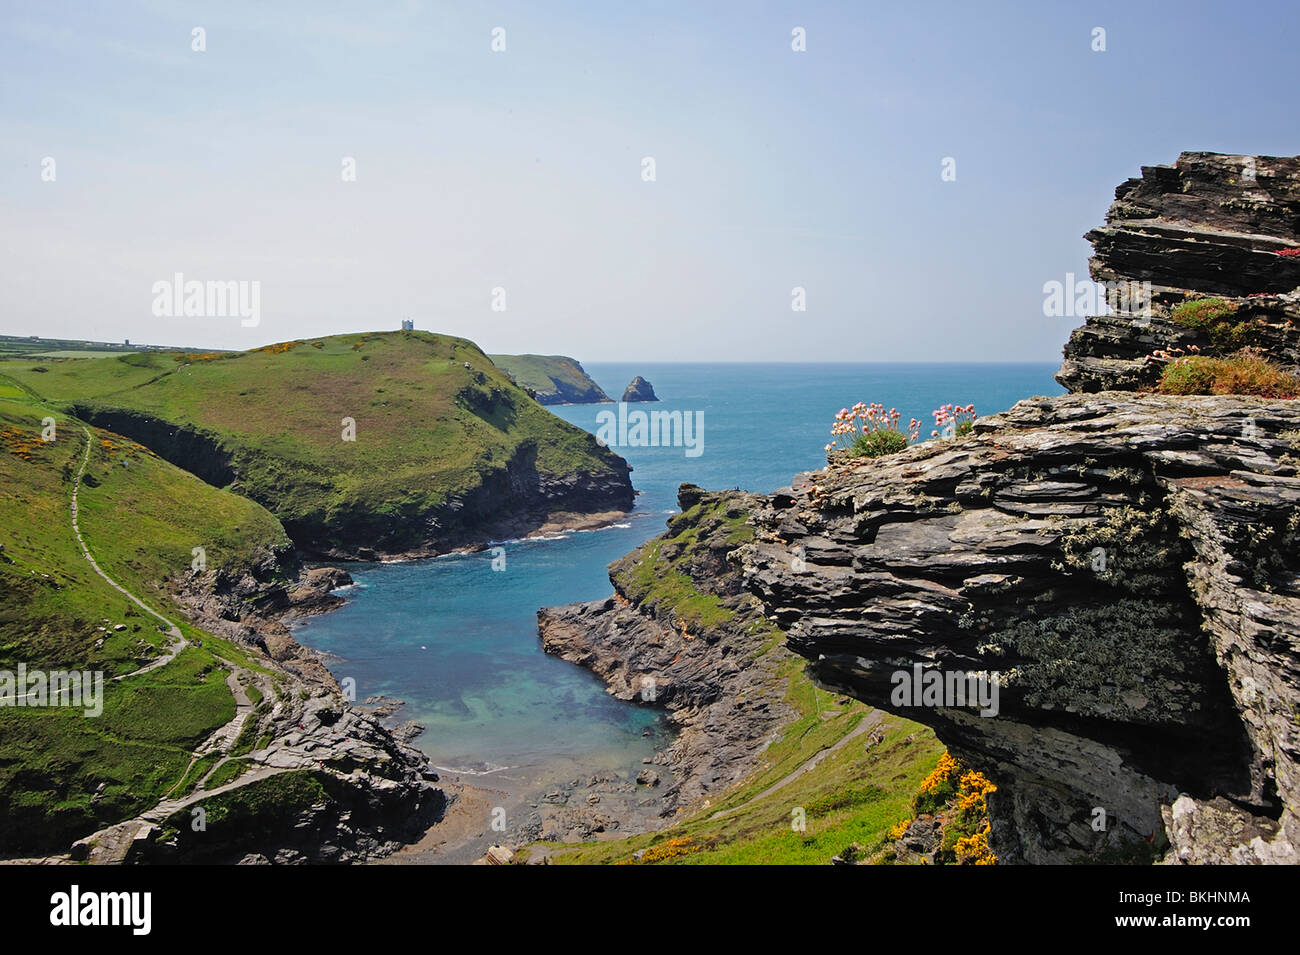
[1126, 566]
[1123, 566]
[1209, 225]
[638, 389]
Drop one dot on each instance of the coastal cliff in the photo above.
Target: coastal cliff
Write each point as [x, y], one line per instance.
[1124, 566]
[764, 767]
[552, 379]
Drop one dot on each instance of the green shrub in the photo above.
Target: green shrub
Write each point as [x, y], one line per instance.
[873, 444]
[1245, 373]
[1217, 319]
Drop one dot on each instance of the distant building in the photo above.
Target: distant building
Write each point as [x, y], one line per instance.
[126, 341]
[408, 325]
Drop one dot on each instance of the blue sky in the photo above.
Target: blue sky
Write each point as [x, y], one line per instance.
[522, 169]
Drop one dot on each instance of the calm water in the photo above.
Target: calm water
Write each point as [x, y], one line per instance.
[458, 641]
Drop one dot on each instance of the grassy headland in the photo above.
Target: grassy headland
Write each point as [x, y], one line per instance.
[360, 444]
[553, 379]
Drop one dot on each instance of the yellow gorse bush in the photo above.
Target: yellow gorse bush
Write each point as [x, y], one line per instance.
[942, 775]
[957, 796]
[974, 849]
[681, 846]
[974, 787]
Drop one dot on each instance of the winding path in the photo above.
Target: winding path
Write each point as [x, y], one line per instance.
[113, 843]
[868, 722]
[179, 642]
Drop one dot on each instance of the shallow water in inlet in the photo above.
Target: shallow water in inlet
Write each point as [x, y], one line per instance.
[458, 641]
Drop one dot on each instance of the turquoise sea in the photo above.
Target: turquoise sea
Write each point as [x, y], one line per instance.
[458, 641]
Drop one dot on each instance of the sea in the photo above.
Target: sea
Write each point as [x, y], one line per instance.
[455, 637]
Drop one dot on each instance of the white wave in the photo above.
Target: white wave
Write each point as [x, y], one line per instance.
[471, 772]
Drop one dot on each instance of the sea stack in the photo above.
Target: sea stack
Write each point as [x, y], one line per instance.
[638, 389]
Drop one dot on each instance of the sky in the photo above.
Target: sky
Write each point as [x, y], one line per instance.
[502, 194]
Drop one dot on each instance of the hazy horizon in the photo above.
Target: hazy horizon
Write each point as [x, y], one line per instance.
[180, 346]
[517, 176]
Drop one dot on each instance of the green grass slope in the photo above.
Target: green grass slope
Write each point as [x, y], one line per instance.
[59, 347]
[62, 773]
[67, 379]
[444, 441]
[854, 794]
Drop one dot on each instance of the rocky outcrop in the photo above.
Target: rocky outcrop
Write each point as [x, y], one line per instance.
[253, 605]
[1209, 225]
[698, 647]
[1125, 567]
[638, 389]
[1210, 222]
[330, 783]
[1120, 572]
[341, 790]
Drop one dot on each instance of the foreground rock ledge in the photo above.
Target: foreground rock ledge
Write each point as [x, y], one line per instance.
[1125, 564]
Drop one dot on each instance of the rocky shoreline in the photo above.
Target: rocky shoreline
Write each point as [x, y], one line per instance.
[382, 792]
[513, 502]
[256, 609]
[715, 681]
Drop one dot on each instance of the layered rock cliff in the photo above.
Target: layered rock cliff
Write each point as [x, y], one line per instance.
[1209, 225]
[1124, 568]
